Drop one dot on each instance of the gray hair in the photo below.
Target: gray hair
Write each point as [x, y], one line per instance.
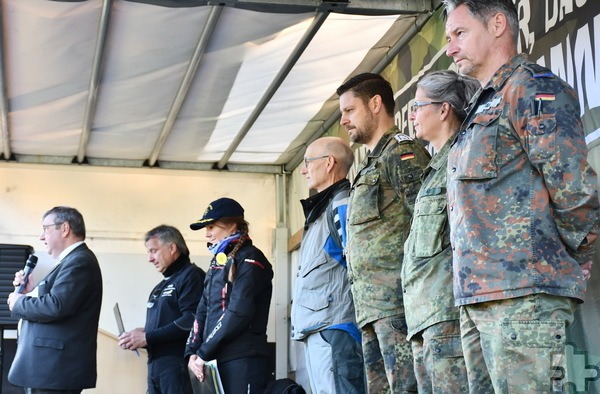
[340, 150]
[69, 215]
[483, 10]
[451, 87]
[168, 234]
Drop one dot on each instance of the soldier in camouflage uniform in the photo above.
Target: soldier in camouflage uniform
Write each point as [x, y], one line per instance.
[380, 210]
[431, 317]
[523, 206]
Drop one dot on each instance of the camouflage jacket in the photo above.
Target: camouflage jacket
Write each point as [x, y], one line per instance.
[381, 206]
[522, 198]
[427, 265]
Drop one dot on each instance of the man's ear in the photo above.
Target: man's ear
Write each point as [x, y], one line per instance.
[65, 229]
[376, 104]
[330, 163]
[498, 23]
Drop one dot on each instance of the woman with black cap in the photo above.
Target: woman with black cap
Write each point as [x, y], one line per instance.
[231, 319]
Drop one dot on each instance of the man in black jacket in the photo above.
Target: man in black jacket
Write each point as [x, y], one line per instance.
[170, 312]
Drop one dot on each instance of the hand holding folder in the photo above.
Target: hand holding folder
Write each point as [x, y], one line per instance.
[212, 380]
[120, 325]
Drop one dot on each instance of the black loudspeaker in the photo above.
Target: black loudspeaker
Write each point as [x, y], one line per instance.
[12, 259]
[9, 347]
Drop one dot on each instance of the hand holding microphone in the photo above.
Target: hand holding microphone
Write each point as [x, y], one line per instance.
[21, 280]
[29, 266]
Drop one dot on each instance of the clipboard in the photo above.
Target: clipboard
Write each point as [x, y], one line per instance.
[120, 325]
[212, 380]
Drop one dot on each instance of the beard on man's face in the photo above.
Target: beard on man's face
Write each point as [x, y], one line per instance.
[362, 134]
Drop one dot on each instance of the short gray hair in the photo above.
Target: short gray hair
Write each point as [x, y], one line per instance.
[451, 87]
[168, 234]
[340, 150]
[483, 10]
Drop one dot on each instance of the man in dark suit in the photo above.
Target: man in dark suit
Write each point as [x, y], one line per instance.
[56, 352]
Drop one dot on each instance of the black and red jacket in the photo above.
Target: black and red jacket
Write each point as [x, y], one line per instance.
[231, 319]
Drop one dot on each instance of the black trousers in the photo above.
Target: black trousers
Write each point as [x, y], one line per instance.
[169, 375]
[244, 375]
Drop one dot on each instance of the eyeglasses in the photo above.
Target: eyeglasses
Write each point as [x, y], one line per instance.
[45, 227]
[418, 104]
[307, 160]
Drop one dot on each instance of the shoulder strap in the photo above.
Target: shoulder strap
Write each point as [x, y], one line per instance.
[401, 137]
[537, 71]
[396, 139]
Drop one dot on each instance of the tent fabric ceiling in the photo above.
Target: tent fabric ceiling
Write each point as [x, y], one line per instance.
[237, 85]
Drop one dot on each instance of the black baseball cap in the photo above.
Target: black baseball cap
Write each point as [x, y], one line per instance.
[223, 207]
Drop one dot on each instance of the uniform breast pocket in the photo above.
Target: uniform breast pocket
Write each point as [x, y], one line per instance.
[365, 199]
[476, 150]
[428, 225]
[541, 136]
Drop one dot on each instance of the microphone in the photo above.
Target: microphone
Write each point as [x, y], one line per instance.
[29, 266]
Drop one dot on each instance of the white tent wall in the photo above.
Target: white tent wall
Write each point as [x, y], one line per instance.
[119, 205]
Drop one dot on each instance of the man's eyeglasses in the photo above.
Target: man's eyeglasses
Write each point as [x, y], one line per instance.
[307, 160]
[418, 104]
[45, 227]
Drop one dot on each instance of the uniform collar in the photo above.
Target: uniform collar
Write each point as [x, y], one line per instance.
[315, 205]
[383, 141]
[439, 159]
[505, 71]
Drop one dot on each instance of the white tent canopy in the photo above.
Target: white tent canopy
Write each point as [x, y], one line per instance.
[236, 85]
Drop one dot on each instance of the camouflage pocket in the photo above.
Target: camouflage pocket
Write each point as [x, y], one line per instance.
[541, 138]
[365, 198]
[477, 149]
[447, 365]
[534, 350]
[399, 324]
[428, 225]
[533, 334]
[446, 346]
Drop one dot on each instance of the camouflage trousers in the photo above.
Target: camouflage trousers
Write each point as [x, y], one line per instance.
[438, 358]
[516, 345]
[388, 357]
